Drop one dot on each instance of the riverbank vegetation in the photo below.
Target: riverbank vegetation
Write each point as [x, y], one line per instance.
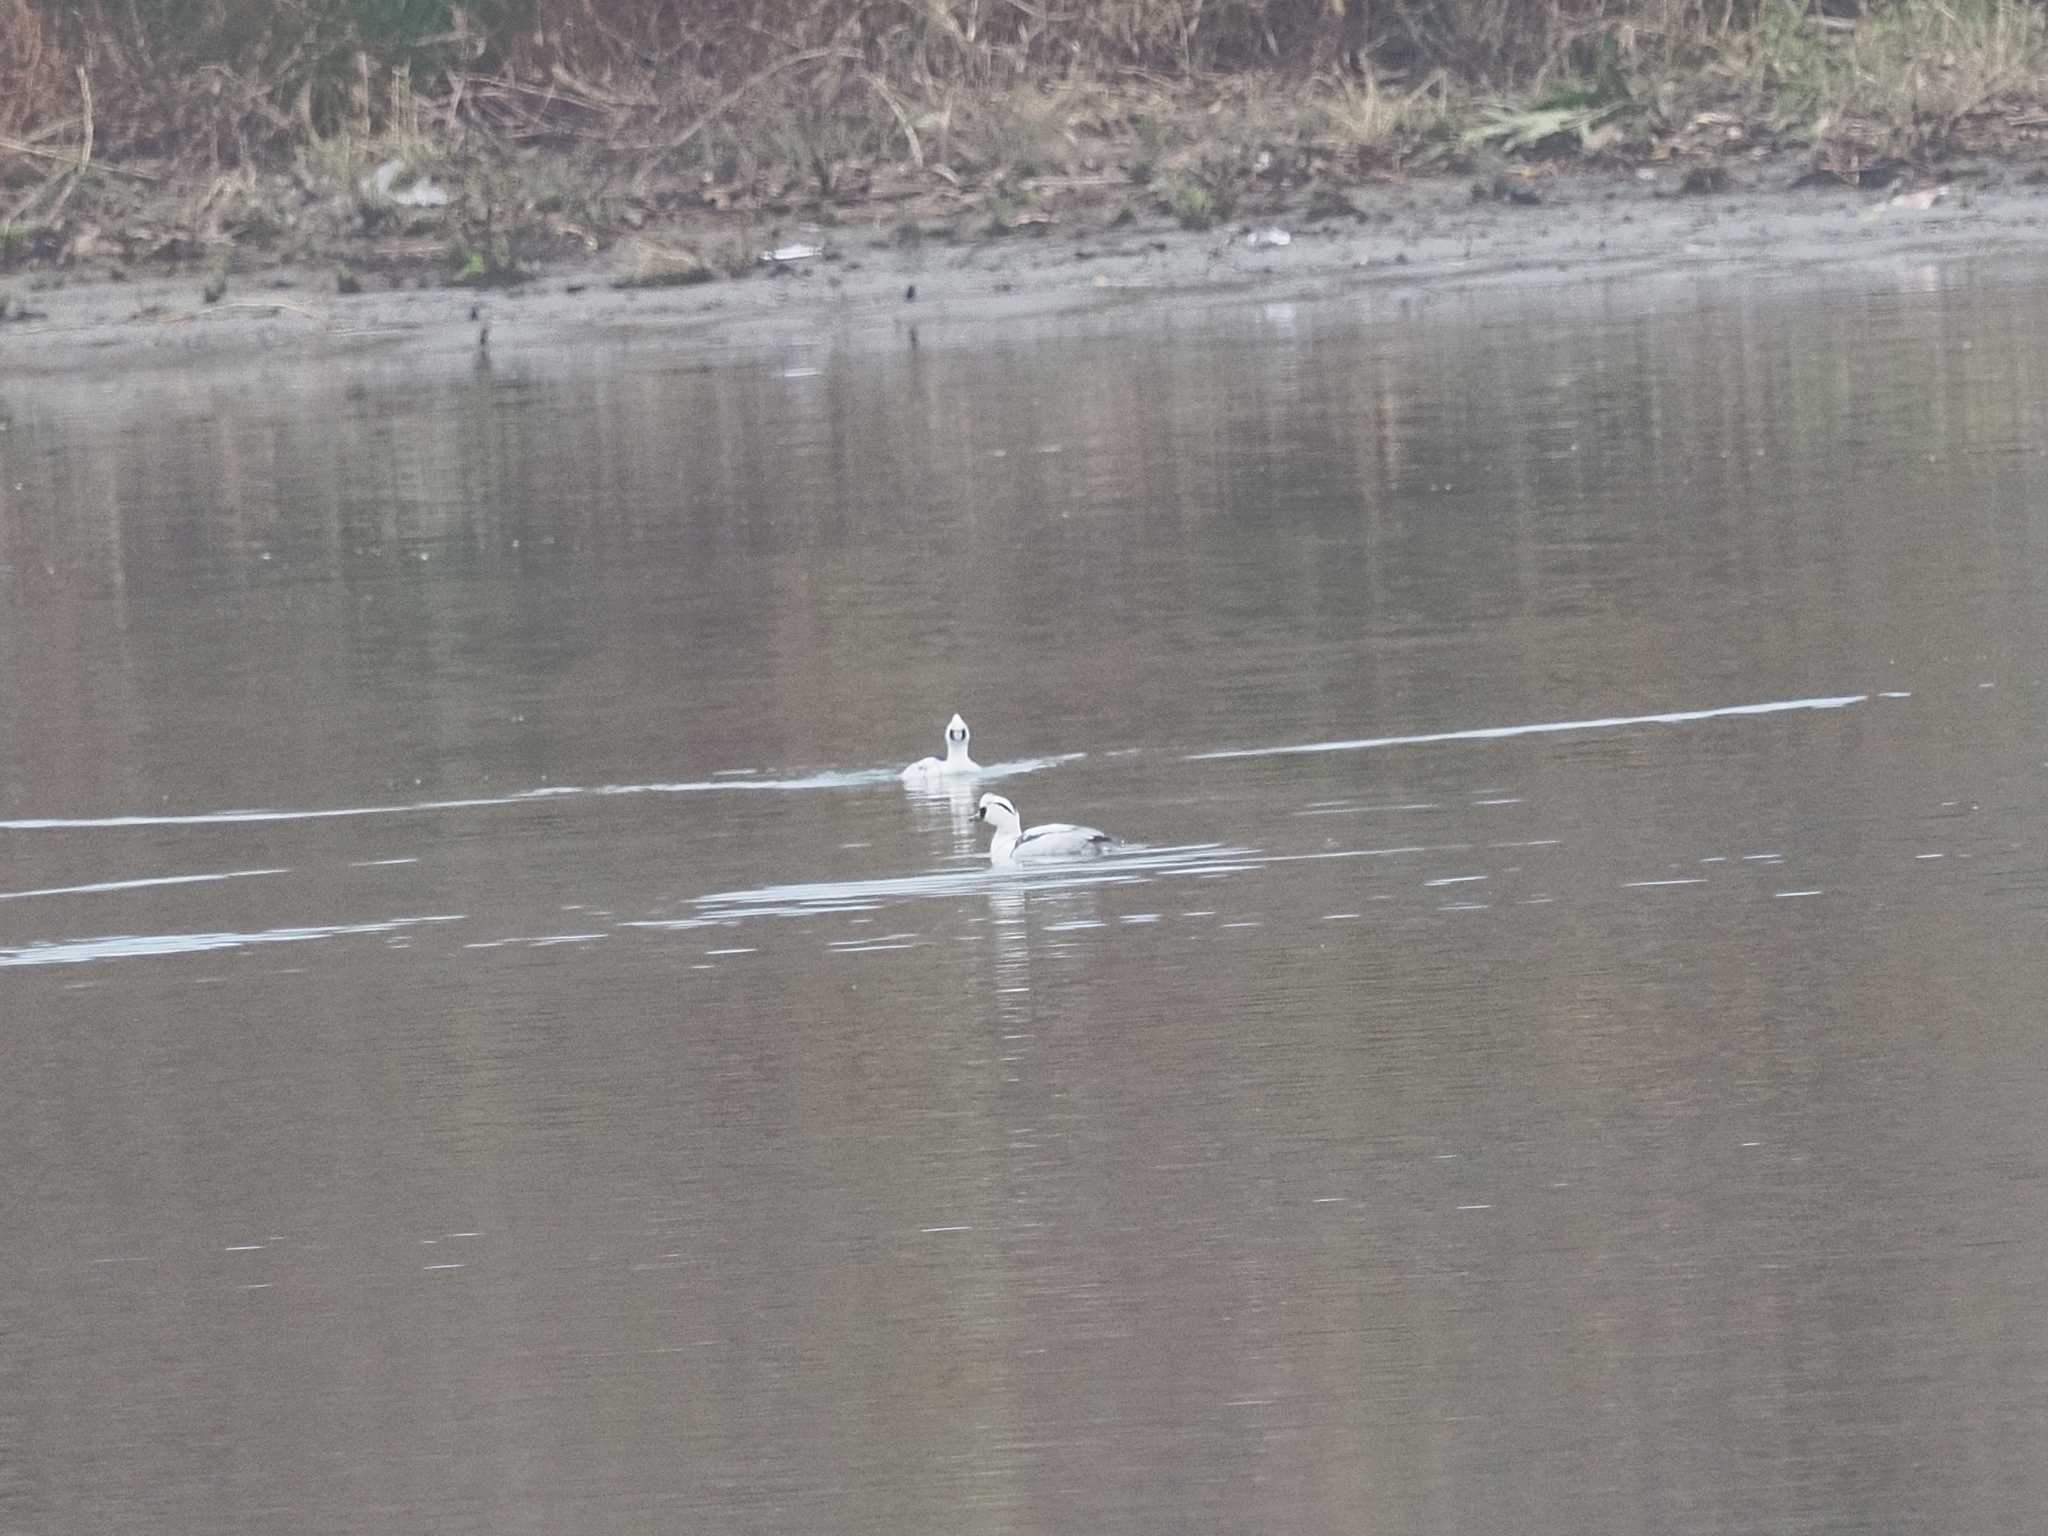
[199, 129]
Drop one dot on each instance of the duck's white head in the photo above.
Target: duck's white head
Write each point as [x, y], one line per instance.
[997, 812]
[956, 737]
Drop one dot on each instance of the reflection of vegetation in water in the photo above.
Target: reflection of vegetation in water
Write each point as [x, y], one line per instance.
[719, 502]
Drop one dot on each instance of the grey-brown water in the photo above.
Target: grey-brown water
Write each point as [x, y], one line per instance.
[487, 1044]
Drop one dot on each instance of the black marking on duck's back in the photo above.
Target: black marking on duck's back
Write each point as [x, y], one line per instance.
[1092, 839]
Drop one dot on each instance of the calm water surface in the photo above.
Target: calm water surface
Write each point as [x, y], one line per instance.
[486, 1044]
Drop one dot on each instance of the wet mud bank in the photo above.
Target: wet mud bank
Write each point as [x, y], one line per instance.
[883, 273]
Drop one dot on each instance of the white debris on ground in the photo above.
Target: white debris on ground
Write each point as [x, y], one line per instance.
[421, 192]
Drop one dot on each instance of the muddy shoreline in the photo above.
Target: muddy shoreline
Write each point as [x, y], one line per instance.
[873, 275]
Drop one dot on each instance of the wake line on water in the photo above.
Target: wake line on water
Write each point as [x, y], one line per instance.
[851, 779]
[1545, 728]
[873, 776]
[99, 887]
[1119, 867]
[229, 818]
[130, 946]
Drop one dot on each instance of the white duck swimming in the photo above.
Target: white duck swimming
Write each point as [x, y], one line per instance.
[956, 759]
[1053, 840]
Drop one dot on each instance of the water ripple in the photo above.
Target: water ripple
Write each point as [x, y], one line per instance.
[722, 783]
[808, 898]
[99, 887]
[129, 946]
[1545, 728]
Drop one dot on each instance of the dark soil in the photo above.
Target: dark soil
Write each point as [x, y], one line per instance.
[1087, 245]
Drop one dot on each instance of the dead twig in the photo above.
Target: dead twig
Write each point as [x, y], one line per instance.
[56, 128]
[560, 90]
[731, 99]
[70, 157]
[84, 144]
[522, 109]
[66, 181]
[595, 96]
[881, 89]
[270, 304]
[187, 316]
[36, 151]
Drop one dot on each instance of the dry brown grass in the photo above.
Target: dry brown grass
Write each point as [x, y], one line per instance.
[1911, 78]
[589, 110]
[37, 87]
[708, 84]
